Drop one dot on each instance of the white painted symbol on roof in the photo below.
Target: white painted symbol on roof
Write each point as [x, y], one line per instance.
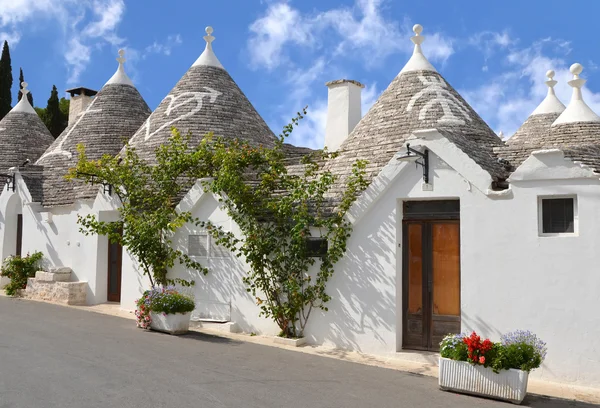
[177, 102]
[59, 147]
[443, 97]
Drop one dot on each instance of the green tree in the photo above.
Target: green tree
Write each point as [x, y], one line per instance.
[54, 118]
[6, 81]
[20, 95]
[149, 195]
[277, 212]
[64, 105]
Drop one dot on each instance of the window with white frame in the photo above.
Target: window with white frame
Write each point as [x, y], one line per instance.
[204, 246]
[558, 215]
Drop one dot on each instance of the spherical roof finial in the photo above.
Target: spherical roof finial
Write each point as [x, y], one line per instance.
[417, 29]
[209, 30]
[550, 74]
[576, 69]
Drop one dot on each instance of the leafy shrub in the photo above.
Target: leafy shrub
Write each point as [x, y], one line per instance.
[18, 269]
[165, 300]
[521, 350]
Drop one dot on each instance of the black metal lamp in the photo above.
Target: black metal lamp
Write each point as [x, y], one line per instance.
[413, 155]
[107, 188]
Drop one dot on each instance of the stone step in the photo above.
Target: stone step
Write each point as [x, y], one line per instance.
[60, 274]
[227, 327]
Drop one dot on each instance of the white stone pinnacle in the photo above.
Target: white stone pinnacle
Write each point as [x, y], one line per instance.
[208, 57]
[120, 77]
[550, 104]
[24, 105]
[417, 61]
[578, 110]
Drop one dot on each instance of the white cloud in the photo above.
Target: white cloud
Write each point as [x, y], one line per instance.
[509, 98]
[108, 15]
[280, 24]
[13, 38]
[164, 47]
[85, 24]
[308, 49]
[362, 30]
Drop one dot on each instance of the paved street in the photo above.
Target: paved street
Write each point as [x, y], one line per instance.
[52, 356]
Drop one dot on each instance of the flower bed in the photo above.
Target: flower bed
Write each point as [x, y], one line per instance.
[471, 365]
[164, 309]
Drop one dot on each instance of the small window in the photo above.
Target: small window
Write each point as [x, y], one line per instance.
[203, 245]
[198, 245]
[316, 247]
[558, 215]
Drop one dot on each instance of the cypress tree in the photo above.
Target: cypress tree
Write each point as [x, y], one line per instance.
[6, 81]
[21, 80]
[54, 117]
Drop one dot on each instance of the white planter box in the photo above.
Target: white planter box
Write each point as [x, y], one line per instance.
[290, 342]
[177, 323]
[461, 376]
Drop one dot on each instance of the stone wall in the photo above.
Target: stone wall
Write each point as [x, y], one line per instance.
[54, 286]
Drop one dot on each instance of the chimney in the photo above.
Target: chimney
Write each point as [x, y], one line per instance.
[343, 111]
[80, 100]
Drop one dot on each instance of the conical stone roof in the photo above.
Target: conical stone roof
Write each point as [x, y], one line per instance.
[114, 115]
[537, 126]
[206, 99]
[23, 136]
[418, 98]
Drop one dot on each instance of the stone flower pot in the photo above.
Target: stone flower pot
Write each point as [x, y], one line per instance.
[177, 323]
[461, 376]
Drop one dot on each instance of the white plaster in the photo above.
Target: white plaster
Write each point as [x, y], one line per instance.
[175, 103]
[208, 57]
[417, 61]
[120, 77]
[24, 105]
[442, 96]
[578, 110]
[343, 112]
[551, 164]
[550, 104]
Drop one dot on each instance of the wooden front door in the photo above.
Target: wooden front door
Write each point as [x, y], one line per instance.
[115, 258]
[19, 234]
[431, 273]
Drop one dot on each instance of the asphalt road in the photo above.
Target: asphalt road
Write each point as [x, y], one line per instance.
[52, 356]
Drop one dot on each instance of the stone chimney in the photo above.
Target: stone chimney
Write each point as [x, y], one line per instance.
[343, 111]
[80, 100]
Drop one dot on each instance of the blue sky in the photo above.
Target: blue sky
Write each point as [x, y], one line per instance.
[282, 52]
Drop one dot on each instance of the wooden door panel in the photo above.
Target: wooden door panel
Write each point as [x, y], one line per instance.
[115, 261]
[431, 273]
[445, 277]
[414, 332]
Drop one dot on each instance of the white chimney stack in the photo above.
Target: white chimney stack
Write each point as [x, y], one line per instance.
[343, 111]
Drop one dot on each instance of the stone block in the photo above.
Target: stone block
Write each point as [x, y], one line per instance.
[60, 269]
[68, 293]
[42, 276]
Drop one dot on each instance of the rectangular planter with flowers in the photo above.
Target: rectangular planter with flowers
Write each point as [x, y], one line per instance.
[165, 309]
[496, 370]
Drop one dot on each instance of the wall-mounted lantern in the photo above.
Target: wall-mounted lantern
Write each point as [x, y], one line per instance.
[420, 159]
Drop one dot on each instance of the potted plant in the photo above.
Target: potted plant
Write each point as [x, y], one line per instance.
[165, 309]
[497, 370]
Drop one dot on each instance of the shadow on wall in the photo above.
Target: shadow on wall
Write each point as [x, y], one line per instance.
[363, 293]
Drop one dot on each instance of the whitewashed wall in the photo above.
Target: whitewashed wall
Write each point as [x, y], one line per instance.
[55, 233]
[511, 278]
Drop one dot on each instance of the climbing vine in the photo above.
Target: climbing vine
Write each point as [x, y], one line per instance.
[279, 206]
[148, 194]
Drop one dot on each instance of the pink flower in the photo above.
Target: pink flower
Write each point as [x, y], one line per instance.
[482, 360]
